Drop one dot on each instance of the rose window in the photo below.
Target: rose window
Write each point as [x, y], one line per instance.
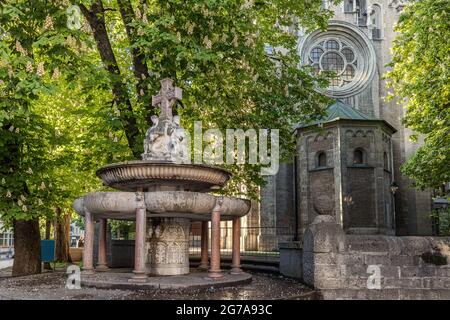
[337, 57]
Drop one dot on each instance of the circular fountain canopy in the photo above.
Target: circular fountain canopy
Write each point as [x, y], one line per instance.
[161, 176]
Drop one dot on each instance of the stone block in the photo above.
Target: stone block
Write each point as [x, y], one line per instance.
[404, 260]
[356, 282]
[324, 235]
[402, 283]
[325, 271]
[291, 260]
[442, 271]
[389, 271]
[325, 258]
[359, 270]
[419, 294]
[355, 258]
[428, 271]
[365, 243]
[377, 259]
[329, 283]
[440, 283]
[427, 282]
[415, 245]
[409, 271]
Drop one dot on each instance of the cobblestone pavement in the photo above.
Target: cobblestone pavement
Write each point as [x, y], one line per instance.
[51, 286]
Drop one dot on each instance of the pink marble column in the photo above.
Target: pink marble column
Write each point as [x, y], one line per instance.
[204, 246]
[140, 272]
[214, 271]
[236, 259]
[88, 250]
[102, 264]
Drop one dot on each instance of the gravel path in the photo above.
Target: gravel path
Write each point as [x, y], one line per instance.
[51, 286]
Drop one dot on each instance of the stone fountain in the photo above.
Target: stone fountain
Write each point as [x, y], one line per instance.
[164, 194]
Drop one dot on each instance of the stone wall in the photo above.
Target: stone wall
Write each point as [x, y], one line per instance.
[342, 266]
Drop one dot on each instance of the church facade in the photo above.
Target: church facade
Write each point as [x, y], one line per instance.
[348, 164]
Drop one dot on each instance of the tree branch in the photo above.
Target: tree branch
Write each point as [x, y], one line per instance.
[96, 19]
[140, 67]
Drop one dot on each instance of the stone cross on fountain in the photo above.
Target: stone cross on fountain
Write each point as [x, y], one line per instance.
[166, 140]
[166, 99]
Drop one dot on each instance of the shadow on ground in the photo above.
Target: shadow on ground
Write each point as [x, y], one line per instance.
[51, 286]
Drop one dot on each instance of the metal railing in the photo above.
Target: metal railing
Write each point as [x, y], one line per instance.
[255, 241]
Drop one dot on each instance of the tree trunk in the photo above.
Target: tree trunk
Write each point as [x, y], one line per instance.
[96, 18]
[62, 230]
[48, 227]
[27, 248]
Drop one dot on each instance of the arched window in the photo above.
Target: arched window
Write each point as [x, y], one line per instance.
[321, 160]
[385, 161]
[361, 9]
[348, 6]
[358, 156]
[375, 21]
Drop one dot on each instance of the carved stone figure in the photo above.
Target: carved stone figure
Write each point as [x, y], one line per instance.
[166, 139]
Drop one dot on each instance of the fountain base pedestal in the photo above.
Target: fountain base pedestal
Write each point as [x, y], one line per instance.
[168, 246]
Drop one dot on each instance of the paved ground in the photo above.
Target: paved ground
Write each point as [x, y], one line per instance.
[51, 285]
[119, 279]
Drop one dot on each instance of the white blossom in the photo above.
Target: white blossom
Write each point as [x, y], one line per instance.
[56, 73]
[190, 27]
[86, 27]
[20, 49]
[207, 42]
[48, 24]
[17, 130]
[42, 185]
[19, 202]
[3, 181]
[29, 67]
[40, 69]
[247, 4]
[138, 13]
[8, 194]
[71, 42]
[30, 171]
[224, 37]
[24, 208]
[235, 41]
[40, 202]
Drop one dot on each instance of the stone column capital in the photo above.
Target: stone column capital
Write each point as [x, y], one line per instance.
[218, 205]
[140, 200]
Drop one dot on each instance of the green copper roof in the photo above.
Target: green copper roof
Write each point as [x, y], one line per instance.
[339, 111]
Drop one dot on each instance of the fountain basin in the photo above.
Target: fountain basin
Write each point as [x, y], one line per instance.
[162, 175]
[170, 214]
[160, 204]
